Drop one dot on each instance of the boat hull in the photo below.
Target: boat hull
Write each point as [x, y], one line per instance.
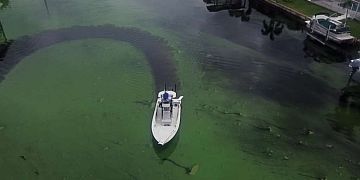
[325, 34]
[165, 125]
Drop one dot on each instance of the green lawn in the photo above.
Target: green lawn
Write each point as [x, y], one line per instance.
[310, 9]
[355, 27]
[303, 6]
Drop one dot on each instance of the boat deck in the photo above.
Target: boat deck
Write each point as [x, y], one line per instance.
[166, 118]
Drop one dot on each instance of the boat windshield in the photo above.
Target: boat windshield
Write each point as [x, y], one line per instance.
[338, 29]
[327, 24]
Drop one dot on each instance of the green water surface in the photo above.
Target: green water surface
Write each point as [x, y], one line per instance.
[82, 109]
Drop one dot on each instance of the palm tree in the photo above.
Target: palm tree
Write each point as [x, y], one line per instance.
[273, 28]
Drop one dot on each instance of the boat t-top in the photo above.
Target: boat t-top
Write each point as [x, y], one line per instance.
[166, 118]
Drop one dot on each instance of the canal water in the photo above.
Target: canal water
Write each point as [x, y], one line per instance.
[261, 101]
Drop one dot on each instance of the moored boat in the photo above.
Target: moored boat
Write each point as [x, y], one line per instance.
[330, 28]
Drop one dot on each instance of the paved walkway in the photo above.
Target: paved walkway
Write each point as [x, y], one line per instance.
[334, 6]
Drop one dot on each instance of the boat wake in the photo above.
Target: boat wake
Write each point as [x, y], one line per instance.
[156, 49]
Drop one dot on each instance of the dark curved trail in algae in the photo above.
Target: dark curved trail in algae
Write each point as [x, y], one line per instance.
[156, 50]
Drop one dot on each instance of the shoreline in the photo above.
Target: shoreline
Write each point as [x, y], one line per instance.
[299, 16]
[287, 10]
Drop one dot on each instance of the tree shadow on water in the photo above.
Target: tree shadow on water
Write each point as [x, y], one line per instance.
[272, 28]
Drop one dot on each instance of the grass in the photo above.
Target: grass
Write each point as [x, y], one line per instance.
[303, 6]
[309, 9]
[354, 27]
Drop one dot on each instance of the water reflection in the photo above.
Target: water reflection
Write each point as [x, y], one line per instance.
[4, 42]
[4, 4]
[347, 113]
[272, 28]
[324, 54]
[243, 9]
[235, 8]
[47, 7]
[291, 22]
[321, 53]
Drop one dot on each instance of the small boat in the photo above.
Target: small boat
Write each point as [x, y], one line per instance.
[330, 28]
[166, 118]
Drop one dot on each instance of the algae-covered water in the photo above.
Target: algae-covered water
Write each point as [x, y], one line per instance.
[79, 80]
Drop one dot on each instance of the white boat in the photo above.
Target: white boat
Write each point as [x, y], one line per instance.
[166, 118]
[331, 28]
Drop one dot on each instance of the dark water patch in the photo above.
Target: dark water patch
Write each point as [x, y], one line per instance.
[244, 10]
[156, 50]
[285, 47]
[280, 83]
[4, 47]
[272, 28]
[345, 118]
[291, 21]
[325, 54]
[23, 157]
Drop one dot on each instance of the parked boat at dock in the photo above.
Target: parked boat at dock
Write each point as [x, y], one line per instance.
[326, 28]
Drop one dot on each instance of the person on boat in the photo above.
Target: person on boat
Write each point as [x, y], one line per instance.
[166, 97]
